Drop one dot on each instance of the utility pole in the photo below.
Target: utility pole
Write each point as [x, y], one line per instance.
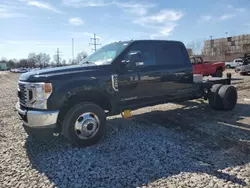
[226, 33]
[212, 45]
[73, 51]
[57, 57]
[95, 44]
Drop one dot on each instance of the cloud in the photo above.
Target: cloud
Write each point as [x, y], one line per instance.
[167, 30]
[205, 19]
[85, 3]
[76, 21]
[164, 31]
[43, 5]
[49, 46]
[76, 34]
[135, 8]
[236, 9]
[240, 9]
[159, 18]
[89, 34]
[226, 17]
[130, 6]
[162, 23]
[9, 12]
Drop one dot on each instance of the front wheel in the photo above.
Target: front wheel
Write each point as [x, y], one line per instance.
[84, 124]
[228, 67]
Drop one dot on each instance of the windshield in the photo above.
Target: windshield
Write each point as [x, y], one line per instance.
[106, 54]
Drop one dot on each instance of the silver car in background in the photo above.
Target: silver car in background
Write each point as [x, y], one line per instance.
[245, 68]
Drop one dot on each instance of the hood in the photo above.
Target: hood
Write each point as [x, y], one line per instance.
[48, 72]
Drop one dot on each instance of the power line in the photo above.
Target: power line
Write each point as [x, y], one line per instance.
[95, 40]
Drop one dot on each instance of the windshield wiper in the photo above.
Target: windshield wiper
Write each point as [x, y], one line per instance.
[87, 62]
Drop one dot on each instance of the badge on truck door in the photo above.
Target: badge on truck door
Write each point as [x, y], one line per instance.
[114, 79]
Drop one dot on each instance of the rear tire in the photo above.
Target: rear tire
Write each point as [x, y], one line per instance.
[228, 95]
[214, 99]
[84, 124]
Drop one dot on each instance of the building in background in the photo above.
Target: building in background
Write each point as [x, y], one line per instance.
[190, 51]
[3, 66]
[227, 49]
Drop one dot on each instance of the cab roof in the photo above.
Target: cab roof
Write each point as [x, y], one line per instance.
[148, 40]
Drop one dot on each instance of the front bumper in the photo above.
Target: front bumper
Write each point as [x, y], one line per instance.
[38, 119]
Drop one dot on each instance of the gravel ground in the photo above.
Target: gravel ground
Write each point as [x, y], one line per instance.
[171, 145]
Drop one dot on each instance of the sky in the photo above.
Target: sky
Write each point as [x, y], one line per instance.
[44, 25]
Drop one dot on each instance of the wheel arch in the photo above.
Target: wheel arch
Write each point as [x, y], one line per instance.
[219, 68]
[93, 96]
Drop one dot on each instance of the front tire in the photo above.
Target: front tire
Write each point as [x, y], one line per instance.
[84, 124]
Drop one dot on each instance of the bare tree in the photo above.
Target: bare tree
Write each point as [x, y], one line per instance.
[24, 63]
[42, 59]
[196, 46]
[80, 56]
[64, 62]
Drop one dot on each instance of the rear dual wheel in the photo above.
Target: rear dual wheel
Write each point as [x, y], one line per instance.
[222, 97]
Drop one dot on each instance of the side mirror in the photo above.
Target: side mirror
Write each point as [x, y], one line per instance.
[135, 59]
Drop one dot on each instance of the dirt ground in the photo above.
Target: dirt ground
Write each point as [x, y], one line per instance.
[171, 145]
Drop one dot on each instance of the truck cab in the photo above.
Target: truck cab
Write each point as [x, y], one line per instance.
[75, 100]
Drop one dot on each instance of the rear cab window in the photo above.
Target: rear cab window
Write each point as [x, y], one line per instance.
[171, 53]
[159, 54]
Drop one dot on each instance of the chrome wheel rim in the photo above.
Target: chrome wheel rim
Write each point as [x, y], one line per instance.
[87, 125]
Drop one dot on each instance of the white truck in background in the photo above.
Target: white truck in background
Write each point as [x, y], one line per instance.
[235, 63]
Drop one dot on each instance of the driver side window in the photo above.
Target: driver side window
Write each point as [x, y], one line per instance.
[147, 53]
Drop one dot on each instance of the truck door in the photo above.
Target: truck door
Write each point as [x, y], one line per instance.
[176, 68]
[143, 83]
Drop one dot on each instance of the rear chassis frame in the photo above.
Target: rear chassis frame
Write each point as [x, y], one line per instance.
[207, 84]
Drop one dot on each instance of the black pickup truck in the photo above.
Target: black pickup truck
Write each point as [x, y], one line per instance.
[75, 100]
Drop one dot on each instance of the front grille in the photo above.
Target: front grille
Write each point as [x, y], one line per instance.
[22, 93]
[25, 94]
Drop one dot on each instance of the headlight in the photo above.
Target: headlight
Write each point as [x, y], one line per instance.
[37, 94]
